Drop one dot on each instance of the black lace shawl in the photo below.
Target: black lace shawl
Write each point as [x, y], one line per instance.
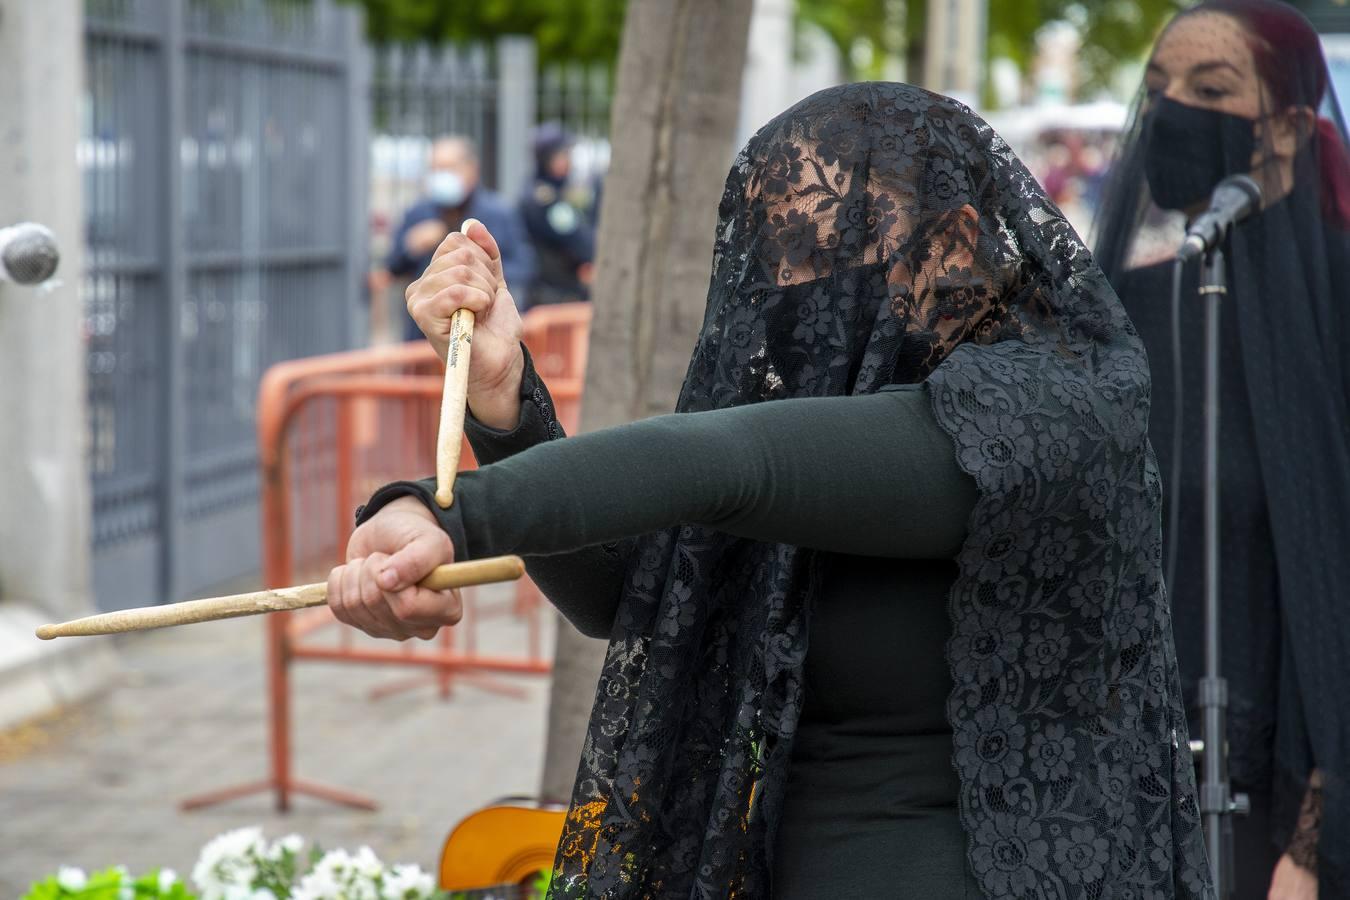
[875, 234]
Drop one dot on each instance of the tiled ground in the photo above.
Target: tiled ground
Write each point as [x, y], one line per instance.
[100, 784]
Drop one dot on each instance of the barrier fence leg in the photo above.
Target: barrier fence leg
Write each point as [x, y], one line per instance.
[280, 783]
[344, 508]
[446, 672]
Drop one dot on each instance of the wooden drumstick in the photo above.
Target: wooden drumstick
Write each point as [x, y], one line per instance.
[454, 575]
[454, 399]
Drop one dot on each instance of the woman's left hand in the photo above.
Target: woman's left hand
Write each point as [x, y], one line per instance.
[1292, 882]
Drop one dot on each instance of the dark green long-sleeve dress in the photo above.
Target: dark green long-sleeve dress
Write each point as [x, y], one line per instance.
[872, 481]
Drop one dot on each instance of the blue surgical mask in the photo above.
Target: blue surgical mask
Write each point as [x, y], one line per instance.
[446, 188]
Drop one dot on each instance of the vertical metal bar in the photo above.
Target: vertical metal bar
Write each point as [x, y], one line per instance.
[1214, 788]
[530, 610]
[516, 85]
[446, 671]
[345, 478]
[277, 573]
[258, 107]
[355, 178]
[174, 57]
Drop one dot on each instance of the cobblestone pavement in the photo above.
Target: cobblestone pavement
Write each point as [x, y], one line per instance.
[100, 784]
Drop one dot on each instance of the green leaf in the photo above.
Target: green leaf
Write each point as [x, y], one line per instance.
[47, 889]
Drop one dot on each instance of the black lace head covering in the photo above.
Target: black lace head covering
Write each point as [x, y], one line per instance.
[1242, 86]
[875, 234]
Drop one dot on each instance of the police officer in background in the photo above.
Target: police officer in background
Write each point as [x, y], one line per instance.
[561, 231]
[452, 194]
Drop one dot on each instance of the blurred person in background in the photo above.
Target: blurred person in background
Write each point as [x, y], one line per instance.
[453, 193]
[561, 229]
[1240, 86]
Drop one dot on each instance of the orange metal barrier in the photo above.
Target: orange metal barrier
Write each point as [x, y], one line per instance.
[332, 429]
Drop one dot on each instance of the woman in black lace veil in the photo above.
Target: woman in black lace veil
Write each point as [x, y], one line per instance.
[876, 243]
[1240, 86]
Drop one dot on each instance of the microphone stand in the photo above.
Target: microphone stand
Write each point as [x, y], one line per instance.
[1217, 802]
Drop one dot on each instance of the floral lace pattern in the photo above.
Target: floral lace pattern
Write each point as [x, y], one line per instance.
[1302, 847]
[877, 234]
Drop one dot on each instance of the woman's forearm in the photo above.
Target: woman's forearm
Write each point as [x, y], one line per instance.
[585, 584]
[870, 475]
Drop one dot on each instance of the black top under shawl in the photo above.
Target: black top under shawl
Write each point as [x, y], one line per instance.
[870, 235]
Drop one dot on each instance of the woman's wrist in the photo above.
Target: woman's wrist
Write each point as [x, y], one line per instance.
[498, 405]
[410, 504]
[1302, 849]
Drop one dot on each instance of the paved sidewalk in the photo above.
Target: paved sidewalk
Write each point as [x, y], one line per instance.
[99, 784]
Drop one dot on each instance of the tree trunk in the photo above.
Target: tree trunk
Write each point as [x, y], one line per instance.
[674, 118]
[916, 40]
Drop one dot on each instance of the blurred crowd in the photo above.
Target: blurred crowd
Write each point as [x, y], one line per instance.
[547, 234]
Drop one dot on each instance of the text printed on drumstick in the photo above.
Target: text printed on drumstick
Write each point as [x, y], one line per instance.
[457, 334]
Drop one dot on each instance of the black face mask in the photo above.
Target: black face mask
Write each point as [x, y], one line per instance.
[1189, 150]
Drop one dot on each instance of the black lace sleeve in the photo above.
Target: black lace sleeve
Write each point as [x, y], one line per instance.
[1302, 847]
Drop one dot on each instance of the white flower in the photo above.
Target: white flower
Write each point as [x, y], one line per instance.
[367, 863]
[291, 843]
[236, 843]
[72, 878]
[407, 883]
[230, 880]
[334, 865]
[340, 876]
[228, 863]
[309, 888]
[335, 859]
[167, 879]
[126, 885]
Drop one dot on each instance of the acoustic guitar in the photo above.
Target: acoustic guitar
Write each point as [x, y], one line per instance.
[503, 852]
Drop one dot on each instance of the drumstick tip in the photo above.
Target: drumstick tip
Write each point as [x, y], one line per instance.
[47, 632]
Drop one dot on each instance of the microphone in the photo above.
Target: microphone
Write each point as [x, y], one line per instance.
[1232, 201]
[28, 253]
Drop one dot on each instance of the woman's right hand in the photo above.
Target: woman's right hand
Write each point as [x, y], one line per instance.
[1292, 882]
[466, 273]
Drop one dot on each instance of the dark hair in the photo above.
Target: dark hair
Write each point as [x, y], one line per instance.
[1289, 60]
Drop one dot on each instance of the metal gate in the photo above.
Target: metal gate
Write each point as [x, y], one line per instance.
[224, 186]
